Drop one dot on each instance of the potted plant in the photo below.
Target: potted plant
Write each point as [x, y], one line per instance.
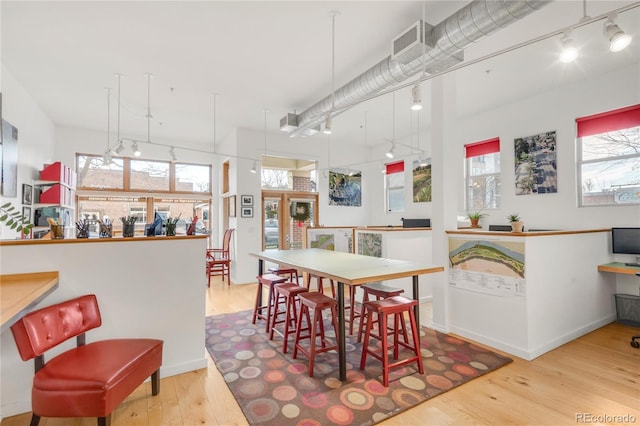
[475, 217]
[516, 223]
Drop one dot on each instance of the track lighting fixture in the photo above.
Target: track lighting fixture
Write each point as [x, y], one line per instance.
[135, 149]
[569, 51]
[118, 149]
[618, 39]
[327, 126]
[172, 154]
[106, 158]
[254, 169]
[416, 97]
[390, 154]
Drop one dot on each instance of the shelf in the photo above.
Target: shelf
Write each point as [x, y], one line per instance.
[51, 183]
[63, 206]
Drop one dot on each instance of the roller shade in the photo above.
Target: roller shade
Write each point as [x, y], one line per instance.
[609, 121]
[396, 167]
[488, 146]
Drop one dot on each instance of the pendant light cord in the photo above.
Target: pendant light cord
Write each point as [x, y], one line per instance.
[148, 107]
[108, 117]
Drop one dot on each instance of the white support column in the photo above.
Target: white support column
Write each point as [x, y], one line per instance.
[446, 184]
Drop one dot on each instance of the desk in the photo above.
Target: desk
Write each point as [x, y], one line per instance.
[350, 269]
[619, 268]
[20, 292]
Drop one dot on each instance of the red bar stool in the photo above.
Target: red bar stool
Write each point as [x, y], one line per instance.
[396, 306]
[286, 294]
[290, 272]
[315, 302]
[320, 284]
[379, 291]
[266, 280]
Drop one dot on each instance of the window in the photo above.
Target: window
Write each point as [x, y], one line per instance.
[149, 175]
[482, 174]
[609, 157]
[94, 174]
[394, 183]
[192, 178]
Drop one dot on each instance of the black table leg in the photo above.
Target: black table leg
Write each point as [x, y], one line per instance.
[416, 296]
[342, 340]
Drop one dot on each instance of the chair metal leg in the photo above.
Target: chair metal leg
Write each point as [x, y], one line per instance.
[35, 420]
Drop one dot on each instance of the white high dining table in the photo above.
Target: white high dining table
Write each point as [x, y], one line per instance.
[349, 269]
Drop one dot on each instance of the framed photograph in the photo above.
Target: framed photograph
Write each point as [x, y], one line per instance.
[246, 200]
[232, 206]
[26, 212]
[27, 194]
[246, 211]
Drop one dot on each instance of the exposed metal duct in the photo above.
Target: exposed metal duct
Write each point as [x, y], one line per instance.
[468, 25]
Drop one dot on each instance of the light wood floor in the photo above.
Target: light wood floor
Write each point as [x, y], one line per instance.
[596, 375]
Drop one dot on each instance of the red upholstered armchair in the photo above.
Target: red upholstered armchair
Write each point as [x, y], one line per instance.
[219, 260]
[90, 380]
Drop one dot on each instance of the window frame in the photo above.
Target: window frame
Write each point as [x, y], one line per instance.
[394, 168]
[476, 150]
[599, 124]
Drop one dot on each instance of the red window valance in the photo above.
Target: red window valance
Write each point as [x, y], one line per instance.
[609, 121]
[395, 167]
[488, 146]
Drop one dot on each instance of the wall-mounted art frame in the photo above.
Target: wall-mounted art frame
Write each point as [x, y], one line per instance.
[26, 212]
[27, 194]
[246, 211]
[246, 200]
[232, 206]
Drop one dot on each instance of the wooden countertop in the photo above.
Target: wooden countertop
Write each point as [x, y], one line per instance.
[526, 233]
[618, 268]
[19, 292]
[98, 240]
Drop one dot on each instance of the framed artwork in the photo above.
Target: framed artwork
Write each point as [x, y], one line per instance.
[535, 164]
[246, 211]
[232, 206]
[26, 212]
[27, 194]
[345, 188]
[246, 200]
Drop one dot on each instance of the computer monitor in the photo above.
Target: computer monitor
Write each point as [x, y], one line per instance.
[626, 241]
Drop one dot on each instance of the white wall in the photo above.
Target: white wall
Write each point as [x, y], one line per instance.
[36, 136]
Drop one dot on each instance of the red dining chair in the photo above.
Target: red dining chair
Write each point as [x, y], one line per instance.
[219, 260]
[90, 380]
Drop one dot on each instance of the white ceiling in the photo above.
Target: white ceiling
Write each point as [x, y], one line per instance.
[266, 54]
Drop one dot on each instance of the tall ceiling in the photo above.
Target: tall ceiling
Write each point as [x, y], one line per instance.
[257, 55]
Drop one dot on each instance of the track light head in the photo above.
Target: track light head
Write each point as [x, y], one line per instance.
[135, 149]
[254, 169]
[172, 154]
[618, 39]
[327, 126]
[106, 158]
[416, 97]
[118, 149]
[569, 51]
[390, 154]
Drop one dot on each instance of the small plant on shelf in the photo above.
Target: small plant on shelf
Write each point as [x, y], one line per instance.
[514, 217]
[516, 222]
[475, 217]
[12, 218]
